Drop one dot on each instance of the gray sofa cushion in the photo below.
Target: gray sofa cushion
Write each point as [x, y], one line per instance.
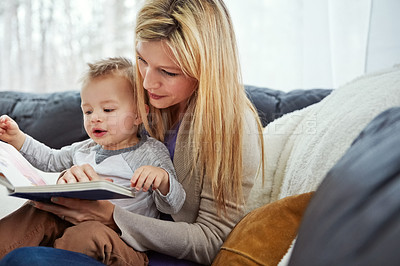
[272, 104]
[353, 218]
[56, 119]
[52, 118]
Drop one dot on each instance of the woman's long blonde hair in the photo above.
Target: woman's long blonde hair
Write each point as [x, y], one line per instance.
[201, 37]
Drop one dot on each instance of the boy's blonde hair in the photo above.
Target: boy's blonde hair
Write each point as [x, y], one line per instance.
[119, 66]
[201, 37]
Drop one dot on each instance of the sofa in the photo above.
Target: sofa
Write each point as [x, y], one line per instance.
[306, 133]
[56, 120]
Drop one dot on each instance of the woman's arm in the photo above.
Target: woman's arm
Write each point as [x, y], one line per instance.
[197, 239]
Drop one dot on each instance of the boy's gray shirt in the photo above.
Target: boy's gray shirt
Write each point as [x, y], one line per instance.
[118, 165]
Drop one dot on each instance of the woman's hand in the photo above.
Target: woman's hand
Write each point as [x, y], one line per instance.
[78, 173]
[77, 211]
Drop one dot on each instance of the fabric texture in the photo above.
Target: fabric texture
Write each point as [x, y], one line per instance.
[40, 228]
[354, 219]
[199, 230]
[263, 236]
[46, 256]
[272, 104]
[302, 146]
[52, 118]
[56, 119]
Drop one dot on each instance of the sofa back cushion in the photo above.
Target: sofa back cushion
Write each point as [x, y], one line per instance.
[56, 118]
[272, 104]
[52, 118]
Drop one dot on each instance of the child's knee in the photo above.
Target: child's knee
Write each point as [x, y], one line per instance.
[91, 238]
[83, 237]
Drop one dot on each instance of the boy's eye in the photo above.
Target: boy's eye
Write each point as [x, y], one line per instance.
[107, 110]
[88, 112]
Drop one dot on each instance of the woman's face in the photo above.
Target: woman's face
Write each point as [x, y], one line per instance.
[164, 81]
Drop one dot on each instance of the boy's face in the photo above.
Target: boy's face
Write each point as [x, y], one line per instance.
[109, 112]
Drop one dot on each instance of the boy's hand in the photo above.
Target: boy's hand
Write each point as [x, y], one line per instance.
[10, 132]
[147, 176]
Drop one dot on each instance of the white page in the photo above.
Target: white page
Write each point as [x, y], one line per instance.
[16, 168]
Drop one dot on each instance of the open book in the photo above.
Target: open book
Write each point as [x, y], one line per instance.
[24, 181]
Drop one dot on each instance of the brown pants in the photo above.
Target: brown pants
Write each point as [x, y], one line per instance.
[29, 226]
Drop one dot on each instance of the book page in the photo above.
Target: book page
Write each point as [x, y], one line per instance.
[16, 168]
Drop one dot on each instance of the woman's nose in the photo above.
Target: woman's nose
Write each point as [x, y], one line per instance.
[151, 79]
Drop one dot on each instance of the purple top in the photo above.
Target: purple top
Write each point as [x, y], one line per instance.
[170, 140]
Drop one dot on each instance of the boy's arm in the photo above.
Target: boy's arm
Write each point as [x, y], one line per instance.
[10, 132]
[170, 196]
[172, 202]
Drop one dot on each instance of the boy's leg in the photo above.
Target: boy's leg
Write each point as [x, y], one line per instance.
[100, 242]
[29, 226]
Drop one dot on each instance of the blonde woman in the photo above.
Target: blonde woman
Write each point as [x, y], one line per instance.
[188, 73]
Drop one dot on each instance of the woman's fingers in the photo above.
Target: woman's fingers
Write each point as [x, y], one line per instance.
[77, 211]
[53, 208]
[67, 209]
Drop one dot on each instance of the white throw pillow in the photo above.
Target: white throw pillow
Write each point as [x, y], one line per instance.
[302, 146]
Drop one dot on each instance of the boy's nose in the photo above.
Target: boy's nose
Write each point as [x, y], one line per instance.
[95, 118]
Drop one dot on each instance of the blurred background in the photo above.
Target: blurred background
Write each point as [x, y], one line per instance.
[283, 44]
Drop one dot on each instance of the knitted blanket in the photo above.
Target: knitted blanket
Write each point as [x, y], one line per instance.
[302, 146]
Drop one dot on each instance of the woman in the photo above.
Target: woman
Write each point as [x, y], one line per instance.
[189, 74]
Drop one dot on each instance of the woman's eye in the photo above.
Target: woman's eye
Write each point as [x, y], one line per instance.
[141, 59]
[108, 110]
[169, 73]
[88, 112]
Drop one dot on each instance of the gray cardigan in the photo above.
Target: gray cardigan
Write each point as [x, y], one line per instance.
[198, 231]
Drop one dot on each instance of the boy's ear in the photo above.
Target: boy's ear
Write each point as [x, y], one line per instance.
[138, 119]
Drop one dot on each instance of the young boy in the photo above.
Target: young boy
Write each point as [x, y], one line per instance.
[115, 149]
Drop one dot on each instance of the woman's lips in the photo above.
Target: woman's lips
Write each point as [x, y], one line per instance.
[154, 96]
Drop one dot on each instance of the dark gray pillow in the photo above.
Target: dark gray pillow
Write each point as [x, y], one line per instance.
[272, 104]
[54, 119]
[353, 218]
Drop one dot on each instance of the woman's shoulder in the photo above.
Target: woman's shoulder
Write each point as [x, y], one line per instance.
[250, 122]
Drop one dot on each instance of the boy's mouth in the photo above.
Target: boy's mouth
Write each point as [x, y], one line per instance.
[99, 132]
